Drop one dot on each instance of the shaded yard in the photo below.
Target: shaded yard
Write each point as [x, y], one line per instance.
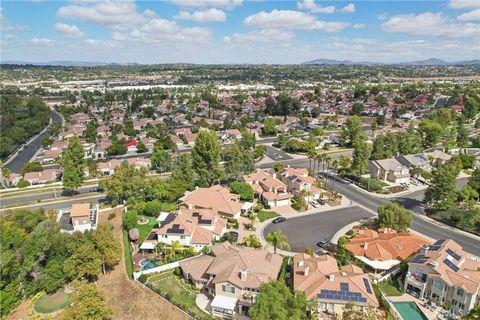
[390, 287]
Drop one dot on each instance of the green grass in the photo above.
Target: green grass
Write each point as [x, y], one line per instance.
[265, 215]
[49, 303]
[179, 292]
[144, 229]
[168, 206]
[128, 255]
[389, 287]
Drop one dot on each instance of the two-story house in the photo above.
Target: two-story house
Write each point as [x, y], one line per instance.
[232, 276]
[217, 198]
[190, 227]
[390, 170]
[300, 184]
[80, 217]
[270, 190]
[417, 160]
[321, 280]
[444, 273]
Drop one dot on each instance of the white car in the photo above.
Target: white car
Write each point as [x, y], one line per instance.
[315, 204]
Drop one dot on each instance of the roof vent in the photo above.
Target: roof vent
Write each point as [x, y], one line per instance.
[300, 263]
[331, 277]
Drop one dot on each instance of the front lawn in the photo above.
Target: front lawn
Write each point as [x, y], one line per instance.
[177, 291]
[48, 303]
[168, 206]
[390, 287]
[265, 215]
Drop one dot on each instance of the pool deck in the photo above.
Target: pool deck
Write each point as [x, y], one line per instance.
[421, 304]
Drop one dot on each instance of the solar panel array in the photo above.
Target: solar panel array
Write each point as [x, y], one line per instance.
[419, 259]
[344, 286]
[367, 285]
[453, 254]
[341, 295]
[175, 229]
[451, 265]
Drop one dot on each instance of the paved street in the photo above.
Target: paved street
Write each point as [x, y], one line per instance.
[65, 203]
[306, 231]
[277, 154]
[27, 154]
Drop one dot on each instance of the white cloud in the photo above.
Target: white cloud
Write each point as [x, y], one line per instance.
[22, 27]
[158, 29]
[210, 15]
[382, 16]
[349, 8]
[359, 26]
[293, 20]
[226, 4]
[268, 35]
[105, 12]
[473, 15]
[311, 6]
[464, 4]
[430, 24]
[227, 39]
[42, 41]
[69, 31]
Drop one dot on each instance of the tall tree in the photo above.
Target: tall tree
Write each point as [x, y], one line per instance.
[206, 155]
[431, 131]
[351, 130]
[278, 240]
[85, 262]
[88, 302]
[161, 158]
[72, 163]
[442, 192]
[233, 161]
[107, 245]
[392, 215]
[269, 126]
[277, 302]
[124, 183]
[183, 171]
[361, 153]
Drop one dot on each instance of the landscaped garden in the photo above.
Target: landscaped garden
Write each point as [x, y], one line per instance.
[176, 290]
[49, 303]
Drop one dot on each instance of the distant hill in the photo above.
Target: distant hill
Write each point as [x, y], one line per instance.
[66, 63]
[428, 62]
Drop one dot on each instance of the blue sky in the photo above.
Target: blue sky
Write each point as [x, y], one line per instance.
[236, 31]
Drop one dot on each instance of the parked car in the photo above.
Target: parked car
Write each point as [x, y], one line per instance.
[323, 243]
[321, 201]
[96, 189]
[279, 220]
[315, 204]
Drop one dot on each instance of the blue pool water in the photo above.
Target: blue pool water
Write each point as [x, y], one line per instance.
[148, 263]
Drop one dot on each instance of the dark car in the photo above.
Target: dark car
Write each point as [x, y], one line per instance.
[279, 220]
[321, 201]
[96, 189]
[323, 242]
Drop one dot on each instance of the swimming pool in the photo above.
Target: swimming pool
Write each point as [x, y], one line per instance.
[409, 311]
[148, 263]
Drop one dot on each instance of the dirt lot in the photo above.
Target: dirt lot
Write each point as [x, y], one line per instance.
[128, 299]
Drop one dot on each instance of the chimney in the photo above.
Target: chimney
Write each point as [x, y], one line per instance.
[243, 274]
[331, 277]
[300, 263]
[306, 270]
[365, 245]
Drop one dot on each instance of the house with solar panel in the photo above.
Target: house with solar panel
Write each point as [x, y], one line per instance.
[332, 287]
[444, 273]
[190, 227]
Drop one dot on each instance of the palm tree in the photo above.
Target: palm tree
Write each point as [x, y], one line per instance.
[278, 240]
[335, 166]
[252, 241]
[327, 160]
[311, 154]
[176, 247]
[319, 158]
[162, 247]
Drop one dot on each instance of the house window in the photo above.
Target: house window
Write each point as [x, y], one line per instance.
[182, 237]
[460, 292]
[438, 284]
[228, 288]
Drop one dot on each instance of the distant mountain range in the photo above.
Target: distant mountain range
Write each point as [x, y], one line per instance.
[428, 62]
[67, 63]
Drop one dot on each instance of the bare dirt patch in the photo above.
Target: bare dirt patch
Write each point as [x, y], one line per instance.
[128, 298]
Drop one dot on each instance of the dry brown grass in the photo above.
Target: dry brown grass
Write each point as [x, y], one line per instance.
[128, 298]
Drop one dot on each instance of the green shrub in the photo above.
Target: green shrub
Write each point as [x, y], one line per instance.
[112, 215]
[23, 184]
